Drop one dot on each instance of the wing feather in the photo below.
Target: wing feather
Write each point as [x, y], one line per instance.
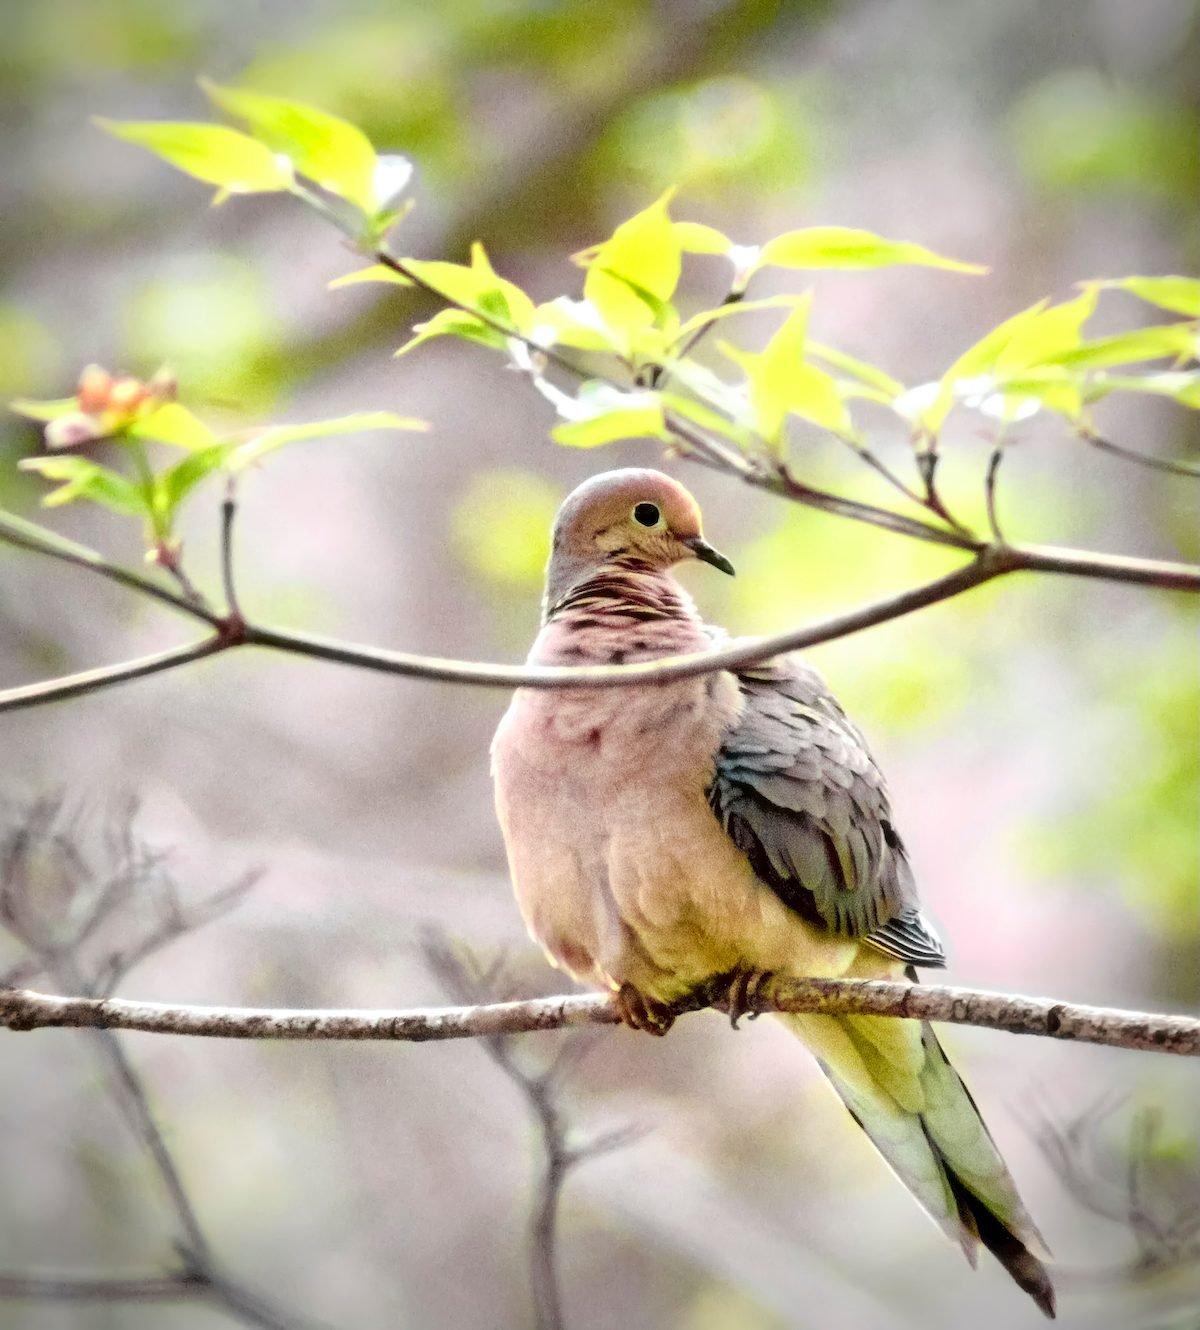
[798, 792]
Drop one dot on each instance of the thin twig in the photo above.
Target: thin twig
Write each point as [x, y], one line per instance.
[989, 490]
[16, 531]
[89, 1288]
[167, 558]
[1104, 445]
[23, 1009]
[539, 1092]
[880, 467]
[781, 481]
[228, 521]
[201, 1276]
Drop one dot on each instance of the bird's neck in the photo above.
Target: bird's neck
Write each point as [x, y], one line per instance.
[624, 610]
[624, 587]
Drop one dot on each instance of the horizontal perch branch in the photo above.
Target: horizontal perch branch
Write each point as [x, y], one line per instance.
[990, 562]
[23, 1009]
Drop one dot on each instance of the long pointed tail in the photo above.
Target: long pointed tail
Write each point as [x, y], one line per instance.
[900, 1088]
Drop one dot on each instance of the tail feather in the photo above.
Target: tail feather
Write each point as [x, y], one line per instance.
[1025, 1268]
[922, 1119]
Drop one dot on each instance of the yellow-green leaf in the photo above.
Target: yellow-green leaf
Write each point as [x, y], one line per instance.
[885, 388]
[478, 287]
[453, 323]
[323, 147]
[50, 410]
[174, 424]
[696, 238]
[847, 247]
[643, 254]
[377, 272]
[1177, 341]
[781, 382]
[1181, 295]
[278, 435]
[174, 484]
[1181, 385]
[605, 414]
[931, 403]
[575, 323]
[85, 479]
[1046, 336]
[213, 153]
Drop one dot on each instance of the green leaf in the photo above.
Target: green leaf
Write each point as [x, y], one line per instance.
[213, 153]
[85, 479]
[1018, 368]
[574, 323]
[846, 247]
[453, 323]
[51, 410]
[173, 424]
[277, 436]
[608, 414]
[1179, 341]
[174, 484]
[323, 147]
[884, 387]
[1181, 385]
[928, 405]
[642, 258]
[377, 272]
[781, 383]
[1045, 337]
[696, 238]
[1021, 395]
[1181, 295]
[478, 287]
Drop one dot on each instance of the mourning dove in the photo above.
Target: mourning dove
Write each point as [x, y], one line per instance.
[729, 826]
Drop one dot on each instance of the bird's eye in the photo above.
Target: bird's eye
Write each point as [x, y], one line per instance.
[647, 514]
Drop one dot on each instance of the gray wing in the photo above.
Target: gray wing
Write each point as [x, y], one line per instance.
[800, 795]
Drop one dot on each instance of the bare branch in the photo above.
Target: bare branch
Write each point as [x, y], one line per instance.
[228, 521]
[991, 561]
[50, 834]
[1125, 1178]
[24, 1009]
[1104, 445]
[92, 681]
[989, 491]
[538, 1090]
[87, 1288]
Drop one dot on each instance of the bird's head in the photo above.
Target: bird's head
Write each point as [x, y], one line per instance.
[626, 516]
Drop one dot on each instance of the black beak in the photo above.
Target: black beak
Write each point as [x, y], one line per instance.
[706, 554]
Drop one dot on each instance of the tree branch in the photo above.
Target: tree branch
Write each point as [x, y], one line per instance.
[992, 561]
[117, 1288]
[27, 535]
[92, 681]
[23, 1009]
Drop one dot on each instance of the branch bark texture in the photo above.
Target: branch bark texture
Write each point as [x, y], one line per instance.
[25, 1009]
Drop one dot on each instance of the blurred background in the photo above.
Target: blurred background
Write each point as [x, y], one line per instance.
[1040, 736]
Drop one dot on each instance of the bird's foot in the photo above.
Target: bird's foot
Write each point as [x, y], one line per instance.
[641, 1012]
[741, 994]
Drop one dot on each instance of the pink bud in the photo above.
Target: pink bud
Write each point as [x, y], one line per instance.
[71, 430]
